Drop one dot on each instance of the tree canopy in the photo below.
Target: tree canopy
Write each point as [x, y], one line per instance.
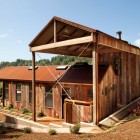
[57, 60]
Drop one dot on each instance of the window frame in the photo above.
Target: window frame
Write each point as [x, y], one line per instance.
[30, 93]
[6, 88]
[47, 95]
[18, 90]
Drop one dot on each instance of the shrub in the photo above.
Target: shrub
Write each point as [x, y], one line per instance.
[75, 129]
[25, 110]
[52, 132]
[10, 106]
[40, 114]
[27, 130]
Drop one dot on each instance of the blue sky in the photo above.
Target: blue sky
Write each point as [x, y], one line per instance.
[21, 20]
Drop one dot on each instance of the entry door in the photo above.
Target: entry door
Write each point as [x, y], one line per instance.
[65, 93]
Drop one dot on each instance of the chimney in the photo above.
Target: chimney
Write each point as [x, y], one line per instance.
[119, 33]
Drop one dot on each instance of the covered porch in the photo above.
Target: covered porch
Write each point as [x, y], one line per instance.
[64, 37]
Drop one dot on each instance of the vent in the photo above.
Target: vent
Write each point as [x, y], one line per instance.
[30, 67]
[61, 67]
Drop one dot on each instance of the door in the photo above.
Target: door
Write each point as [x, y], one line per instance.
[65, 95]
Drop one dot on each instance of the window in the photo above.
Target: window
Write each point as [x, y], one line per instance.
[30, 93]
[6, 96]
[48, 96]
[18, 92]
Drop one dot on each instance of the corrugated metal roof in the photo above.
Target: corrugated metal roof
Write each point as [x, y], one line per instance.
[21, 73]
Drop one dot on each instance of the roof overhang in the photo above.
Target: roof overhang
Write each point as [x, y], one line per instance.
[64, 37]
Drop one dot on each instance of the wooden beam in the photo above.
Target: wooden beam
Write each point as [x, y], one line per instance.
[33, 87]
[95, 81]
[58, 31]
[62, 44]
[55, 32]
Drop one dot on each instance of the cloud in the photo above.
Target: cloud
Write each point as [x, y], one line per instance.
[19, 42]
[3, 35]
[137, 42]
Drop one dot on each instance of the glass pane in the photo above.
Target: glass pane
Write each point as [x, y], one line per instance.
[6, 93]
[18, 97]
[18, 86]
[30, 97]
[49, 100]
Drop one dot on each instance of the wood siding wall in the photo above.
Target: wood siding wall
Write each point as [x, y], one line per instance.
[115, 90]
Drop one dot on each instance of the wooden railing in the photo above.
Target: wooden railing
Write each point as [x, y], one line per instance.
[78, 111]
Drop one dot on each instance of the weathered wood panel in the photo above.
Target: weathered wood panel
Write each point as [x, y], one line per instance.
[127, 84]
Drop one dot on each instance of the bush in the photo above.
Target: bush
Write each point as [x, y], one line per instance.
[27, 130]
[40, 114]
[75, 129]
[10, 106]
[52, 132]
[25, 110]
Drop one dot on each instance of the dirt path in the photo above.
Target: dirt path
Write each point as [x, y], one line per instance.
[127, 131]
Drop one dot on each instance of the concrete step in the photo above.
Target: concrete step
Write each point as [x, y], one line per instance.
[53, 125]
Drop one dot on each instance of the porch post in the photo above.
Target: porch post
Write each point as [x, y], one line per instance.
[3, 92]
[33, 88]
[55, 36]
[95, 79]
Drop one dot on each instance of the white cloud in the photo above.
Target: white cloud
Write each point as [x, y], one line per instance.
[137, 42]
[19, 42]
[3, 35]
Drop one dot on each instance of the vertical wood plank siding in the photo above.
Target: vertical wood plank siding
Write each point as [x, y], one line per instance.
[117, 91]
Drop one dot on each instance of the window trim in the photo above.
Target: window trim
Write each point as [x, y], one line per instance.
[17, 90]
[30, 93]
[48, 93]
[5, 90]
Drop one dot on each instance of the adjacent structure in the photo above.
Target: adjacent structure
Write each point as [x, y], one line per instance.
[17, 88]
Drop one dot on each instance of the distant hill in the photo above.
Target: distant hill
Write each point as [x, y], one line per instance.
[57, 60]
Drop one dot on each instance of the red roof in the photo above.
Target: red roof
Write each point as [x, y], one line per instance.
[21, 73]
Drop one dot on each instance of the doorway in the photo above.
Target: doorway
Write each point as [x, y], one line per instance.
[65, 93]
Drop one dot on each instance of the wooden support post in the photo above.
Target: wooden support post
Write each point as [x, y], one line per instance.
[55, 33]
[33, 87]
[3, 92]
[95, 80]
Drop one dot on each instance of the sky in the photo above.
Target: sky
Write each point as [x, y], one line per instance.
[22, 20]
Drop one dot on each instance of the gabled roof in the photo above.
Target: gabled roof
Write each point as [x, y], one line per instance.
[64, 37]
[21, 73]
[65, 28]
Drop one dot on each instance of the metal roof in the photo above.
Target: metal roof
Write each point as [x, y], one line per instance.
[22, 73]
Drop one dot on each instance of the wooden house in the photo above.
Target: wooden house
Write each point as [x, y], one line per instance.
[120, 84]
[17, 88]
